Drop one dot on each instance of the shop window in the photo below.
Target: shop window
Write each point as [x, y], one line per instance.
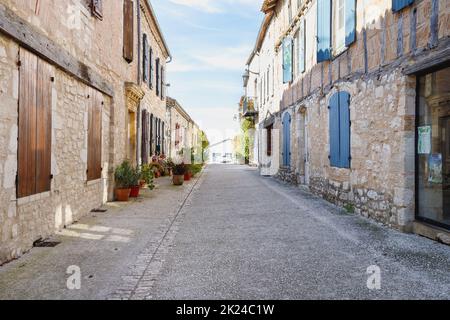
[433, 149]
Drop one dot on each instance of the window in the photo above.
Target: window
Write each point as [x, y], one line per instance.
[94, 165]
[35, 126]
[398, 5]
[287, 60]
[301, 48]
[339, 26]
[290, 11]
[342, 19]
[339, 122]
[145, 64]
[128, 30]
[97, 9]
[269, 140]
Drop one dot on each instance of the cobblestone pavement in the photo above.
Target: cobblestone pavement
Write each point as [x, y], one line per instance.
[235, 235]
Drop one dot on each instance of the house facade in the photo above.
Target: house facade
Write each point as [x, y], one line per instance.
[71, 93]
[359, 108]
[186, 136]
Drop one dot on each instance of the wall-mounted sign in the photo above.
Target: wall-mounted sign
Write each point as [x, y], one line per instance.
[424, 143]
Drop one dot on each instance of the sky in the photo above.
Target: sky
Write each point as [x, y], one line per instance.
[210, 41]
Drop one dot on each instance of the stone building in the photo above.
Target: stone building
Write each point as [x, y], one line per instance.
[353, 104]
[70, 80]
[151, 117]
[186, 136]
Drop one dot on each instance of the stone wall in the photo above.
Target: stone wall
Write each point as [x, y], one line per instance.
[28, 219]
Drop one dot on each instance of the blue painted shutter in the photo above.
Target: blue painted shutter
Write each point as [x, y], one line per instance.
[323, 30]
[344, 126]
[334, 130]
[287, 140]
[398, 5]
[350, 22]
[287, 60]
[301, 47]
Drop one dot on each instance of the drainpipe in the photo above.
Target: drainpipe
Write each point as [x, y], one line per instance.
[139, 80]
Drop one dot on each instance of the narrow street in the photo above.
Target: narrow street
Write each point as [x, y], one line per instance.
[230, 234]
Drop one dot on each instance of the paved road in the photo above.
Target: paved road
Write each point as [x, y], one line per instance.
[230, 234]
[248, 237]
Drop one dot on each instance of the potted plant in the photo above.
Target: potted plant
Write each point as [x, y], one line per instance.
[135, 187]
[188, 173]
[178, 174]
[147, 176]
[123, 176]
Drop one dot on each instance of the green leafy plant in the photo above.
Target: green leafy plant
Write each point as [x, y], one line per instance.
[147, 175]
[349, 208]
[125, 175]
[195, 168]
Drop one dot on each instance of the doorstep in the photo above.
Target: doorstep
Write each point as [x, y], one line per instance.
[432, 232]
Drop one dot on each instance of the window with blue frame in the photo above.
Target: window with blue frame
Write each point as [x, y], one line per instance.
[339, 127]
[336, 27]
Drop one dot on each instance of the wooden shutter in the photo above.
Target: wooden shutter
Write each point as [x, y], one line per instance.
[157, 76]
[97, 8]
[27, 125]
[145, 58]
[323, 30]
[35, 124]
[128, 30]
[43, 127]
[94, 165]
[162, 82]
[152, 126]
[334, 131]
[287, 140]
[344, 132]
[350, 22]
[398, 5]
[151, 68]
[145, 134]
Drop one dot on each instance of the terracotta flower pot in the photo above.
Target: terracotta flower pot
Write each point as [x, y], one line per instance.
[187, 176]
[122, 194]
[178, 180]
[134, 192]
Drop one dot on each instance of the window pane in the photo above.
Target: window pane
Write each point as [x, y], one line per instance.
[433, 147]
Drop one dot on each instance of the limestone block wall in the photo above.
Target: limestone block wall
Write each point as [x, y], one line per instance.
[26, 220]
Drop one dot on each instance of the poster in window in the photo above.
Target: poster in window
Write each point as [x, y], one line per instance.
[435, 168]
[424, 143]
